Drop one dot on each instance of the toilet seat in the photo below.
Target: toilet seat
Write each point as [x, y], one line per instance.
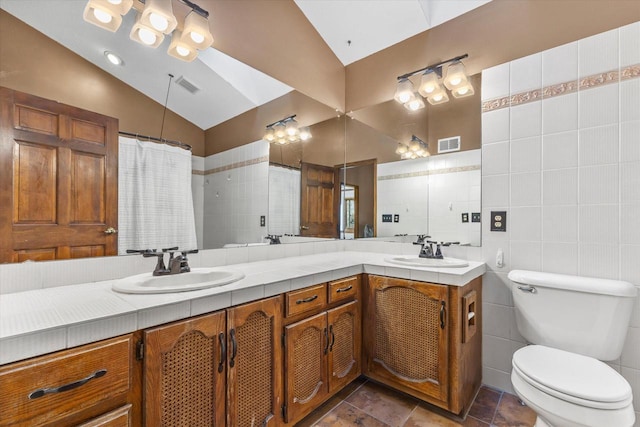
[571, 377]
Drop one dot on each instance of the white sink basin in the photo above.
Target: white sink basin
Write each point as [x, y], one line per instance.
[416, 261]
[197, 278]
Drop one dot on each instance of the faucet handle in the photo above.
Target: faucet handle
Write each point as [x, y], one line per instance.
[175, 248]
[192, 251]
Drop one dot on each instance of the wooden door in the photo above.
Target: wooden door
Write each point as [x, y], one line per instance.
[344, 346]
[305, 368]
[406, 344]
[184, 373]
[254, 378]
[58, 180]
[319, 201]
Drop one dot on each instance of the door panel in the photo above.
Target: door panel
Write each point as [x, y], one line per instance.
[183, 382]
[306, 366]
[58, 180]
[344, 349]
[254, 386]
[318, 201]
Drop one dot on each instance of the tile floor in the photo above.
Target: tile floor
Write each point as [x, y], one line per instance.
[364, 403]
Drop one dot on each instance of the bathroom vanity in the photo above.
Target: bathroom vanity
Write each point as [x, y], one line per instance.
[269, 361]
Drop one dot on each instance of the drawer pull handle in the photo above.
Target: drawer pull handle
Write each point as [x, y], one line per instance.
[301, 301]
[41, 392]
[223, 352]
[234, 348]
[326, 338]
[333, 337]
[443, 314]
[348, 288]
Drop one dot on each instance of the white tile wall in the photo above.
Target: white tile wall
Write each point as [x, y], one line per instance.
[235, 199]
[571, 187]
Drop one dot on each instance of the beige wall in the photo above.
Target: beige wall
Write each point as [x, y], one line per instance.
[492, 34]
[49, 70]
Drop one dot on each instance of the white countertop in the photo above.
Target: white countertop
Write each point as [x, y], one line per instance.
[42, 321]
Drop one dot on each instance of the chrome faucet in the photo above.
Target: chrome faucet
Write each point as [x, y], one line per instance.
[177, 264]
[274, 239]
[427, 249]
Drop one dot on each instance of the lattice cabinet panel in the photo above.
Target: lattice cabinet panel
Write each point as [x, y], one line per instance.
[184, 378]
[344, 345]
[254, 385]
[407, 336]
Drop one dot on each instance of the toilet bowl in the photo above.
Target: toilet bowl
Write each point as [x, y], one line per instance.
[572, 324]
[571, 390]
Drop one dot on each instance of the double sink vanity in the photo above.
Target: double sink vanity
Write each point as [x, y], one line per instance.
[258, 343]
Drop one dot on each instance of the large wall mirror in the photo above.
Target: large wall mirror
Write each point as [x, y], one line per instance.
[343, 181]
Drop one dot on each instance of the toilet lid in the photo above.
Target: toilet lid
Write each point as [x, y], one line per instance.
[573, 377]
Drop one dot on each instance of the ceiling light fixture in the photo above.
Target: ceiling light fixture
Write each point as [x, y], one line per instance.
[106, 14]
[113, 58]
[154, 22]
[456, 80]
[286, 131]
[414, 149]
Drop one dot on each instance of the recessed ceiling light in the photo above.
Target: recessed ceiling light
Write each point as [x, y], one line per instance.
[113, 58]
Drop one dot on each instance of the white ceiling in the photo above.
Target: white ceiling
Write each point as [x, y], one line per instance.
[374, 25]
[228, 87]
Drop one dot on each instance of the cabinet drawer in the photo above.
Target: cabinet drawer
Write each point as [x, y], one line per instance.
[306, 299]
[52, 387]
[121, 417]
[343, 289]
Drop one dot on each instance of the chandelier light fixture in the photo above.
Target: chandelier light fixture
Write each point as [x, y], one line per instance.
[286, 131]
[154, 22]
[431, 84]
[414, 149]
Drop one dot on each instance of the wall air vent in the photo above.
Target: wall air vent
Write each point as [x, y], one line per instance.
[447, 145]
[191, 87]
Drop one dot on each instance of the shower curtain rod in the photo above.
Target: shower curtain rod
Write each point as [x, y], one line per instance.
[280, 165]
[160, 140]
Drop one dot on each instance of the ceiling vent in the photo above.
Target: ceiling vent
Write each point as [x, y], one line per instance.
[447, 145]
[191, 87]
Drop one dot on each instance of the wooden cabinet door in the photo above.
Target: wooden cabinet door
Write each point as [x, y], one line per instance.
[184, 375]
[305, 366]
[344, 345]
[319, 201]
[254, 378]
[406, 342]
[58, 180]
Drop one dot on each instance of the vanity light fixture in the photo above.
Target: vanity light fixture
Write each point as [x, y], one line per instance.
[456, 80]
[155, 21]
[286, 131]
[414, 149]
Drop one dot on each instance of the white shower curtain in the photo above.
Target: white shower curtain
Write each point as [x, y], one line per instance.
[155, 202]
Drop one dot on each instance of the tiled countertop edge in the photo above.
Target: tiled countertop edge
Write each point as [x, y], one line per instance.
[37, 322]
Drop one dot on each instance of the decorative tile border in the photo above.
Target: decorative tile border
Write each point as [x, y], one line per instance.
[589, 82]
[430, 172]
[237, 165]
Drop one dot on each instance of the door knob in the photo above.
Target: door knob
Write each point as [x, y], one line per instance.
[110, 230]
[304, 227]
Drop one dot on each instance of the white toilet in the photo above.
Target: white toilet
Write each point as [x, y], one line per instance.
[572, 323]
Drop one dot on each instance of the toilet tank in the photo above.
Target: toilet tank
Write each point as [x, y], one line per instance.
[578, 314]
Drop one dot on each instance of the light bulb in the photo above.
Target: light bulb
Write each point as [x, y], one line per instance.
[463, 90]
[182, 51]
[415, 104]
[269, 136]
[196, 37]
[455, 81]
[437, 98]
[292, 127]
[282, 141]
[279, 131]
[115, 1]
[146, 36]
[305, 134]
[158, 22]
[102, 16]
